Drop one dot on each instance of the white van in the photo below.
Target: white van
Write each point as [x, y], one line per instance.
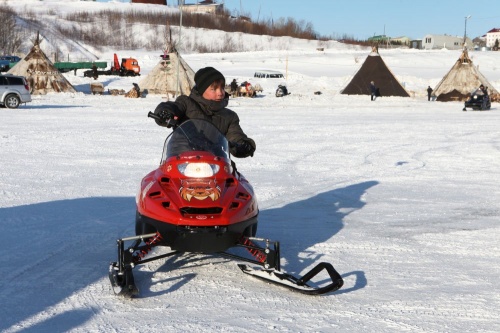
[268, 74]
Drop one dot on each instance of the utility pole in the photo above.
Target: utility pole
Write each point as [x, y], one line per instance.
[177, 92]
[465, 32]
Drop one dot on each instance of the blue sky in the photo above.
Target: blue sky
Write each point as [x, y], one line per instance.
[365, 18]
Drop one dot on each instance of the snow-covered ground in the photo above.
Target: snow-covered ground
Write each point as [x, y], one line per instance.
[400, 195]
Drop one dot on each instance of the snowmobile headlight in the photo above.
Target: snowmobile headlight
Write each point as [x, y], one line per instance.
[198, 170]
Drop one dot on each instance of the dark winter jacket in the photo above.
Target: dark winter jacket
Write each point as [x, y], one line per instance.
[373, 89]
[234, 86]
[227, 121]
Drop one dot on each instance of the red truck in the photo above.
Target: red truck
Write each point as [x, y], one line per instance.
[128, 67]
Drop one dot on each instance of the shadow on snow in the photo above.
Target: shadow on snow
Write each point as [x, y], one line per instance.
[301, 225]
[57, 248]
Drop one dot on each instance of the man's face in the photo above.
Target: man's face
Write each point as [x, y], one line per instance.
[215, 92]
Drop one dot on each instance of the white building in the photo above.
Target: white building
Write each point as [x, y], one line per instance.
[432, 42]
[492, 36]
[203, 7]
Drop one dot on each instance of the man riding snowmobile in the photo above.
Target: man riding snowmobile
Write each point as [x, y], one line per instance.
[478, 100]
[208, 100]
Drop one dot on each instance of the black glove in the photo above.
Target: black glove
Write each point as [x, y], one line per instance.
[245, 148]
[168, 114]
[165, 115]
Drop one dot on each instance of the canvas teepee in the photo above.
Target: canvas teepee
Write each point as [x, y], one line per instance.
[462, 79]
[163, 77]
[374, 69]
[41, 74]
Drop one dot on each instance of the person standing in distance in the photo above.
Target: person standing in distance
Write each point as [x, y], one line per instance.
[373, 91]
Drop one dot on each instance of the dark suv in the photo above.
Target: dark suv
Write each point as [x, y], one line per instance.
[10, 58]
[14, 90]
[7, 61]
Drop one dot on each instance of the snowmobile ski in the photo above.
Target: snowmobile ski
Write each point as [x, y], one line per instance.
[120, 272]
[298, 284]
[122, 283]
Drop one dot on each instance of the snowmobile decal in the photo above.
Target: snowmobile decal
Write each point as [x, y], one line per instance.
[146, 189]
[199, 189]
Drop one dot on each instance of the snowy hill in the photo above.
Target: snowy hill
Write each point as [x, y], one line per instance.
[400, 195]
[55, 15]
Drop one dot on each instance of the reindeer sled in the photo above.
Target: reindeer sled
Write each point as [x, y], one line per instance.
[248, 90]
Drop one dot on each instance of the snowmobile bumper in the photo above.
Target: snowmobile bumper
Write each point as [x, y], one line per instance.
[199, 239]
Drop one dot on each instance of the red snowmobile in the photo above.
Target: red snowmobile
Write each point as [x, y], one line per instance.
[196, 201]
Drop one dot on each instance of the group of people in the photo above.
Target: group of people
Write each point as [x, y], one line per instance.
[245, 88]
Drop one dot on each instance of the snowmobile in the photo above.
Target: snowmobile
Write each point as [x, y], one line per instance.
[478, 101]
[196, 201]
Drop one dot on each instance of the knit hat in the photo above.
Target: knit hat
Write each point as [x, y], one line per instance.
[205, 77]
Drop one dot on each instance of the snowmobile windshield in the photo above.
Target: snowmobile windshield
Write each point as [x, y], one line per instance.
[196, 135]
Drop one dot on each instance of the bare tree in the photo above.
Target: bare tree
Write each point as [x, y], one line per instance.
[116, 29]
[10, 34]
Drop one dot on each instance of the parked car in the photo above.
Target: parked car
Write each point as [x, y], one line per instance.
[5, 62]
[4, 65]
[14, 90]
[10, 58]
[268, 74]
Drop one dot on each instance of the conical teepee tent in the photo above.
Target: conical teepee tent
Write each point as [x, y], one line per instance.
[374, 69]
[462, 79]
[163, 77]
[41, 74]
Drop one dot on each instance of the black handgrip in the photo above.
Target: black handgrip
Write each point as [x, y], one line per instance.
[174, 122]
[154, 116]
